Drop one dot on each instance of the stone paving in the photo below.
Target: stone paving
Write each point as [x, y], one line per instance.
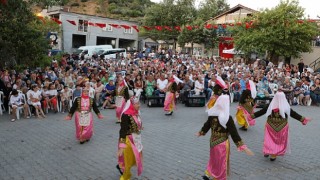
[48, 149]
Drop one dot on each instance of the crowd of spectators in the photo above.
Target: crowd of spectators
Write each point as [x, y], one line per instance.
[53, 88]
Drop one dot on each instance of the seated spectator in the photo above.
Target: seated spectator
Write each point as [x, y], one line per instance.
[305, 97]
[161, 85]
[35, 100]
[17, 100]
[66, 96]
[109, 95]
[236, 89]
[150, 85]
[262, 88]
[52, 99]
[77, 92]
[198, 86]
[287, 88]
[187, 86]
[297, 91]
[138, 86]
[98, 87]
[315, 92]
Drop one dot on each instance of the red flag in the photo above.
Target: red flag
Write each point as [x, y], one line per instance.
[311, 20]
[208, 26]
[72, 22]
[224, 26]
[231, 24]
[189, 28]
[4, 2]
[125, 26]
[215, 27]
[147, 28]
[159, 28]
[135, 28]
[91, 24]
[101, 25]
[115, 25]
[300, 21]
[248, 25]
[168, 28]
[239, 23]
[178, 28]
[56, 20]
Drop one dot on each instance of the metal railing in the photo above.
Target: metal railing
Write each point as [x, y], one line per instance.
[315, 64]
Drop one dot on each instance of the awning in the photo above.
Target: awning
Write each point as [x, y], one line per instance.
[231, 51]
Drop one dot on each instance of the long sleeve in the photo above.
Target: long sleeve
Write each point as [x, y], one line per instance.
[233, 132]
[126, 94]
[94, 107]
[124, 128]
[261, 112]
[74, 107]
[296, 116]
[206, 126]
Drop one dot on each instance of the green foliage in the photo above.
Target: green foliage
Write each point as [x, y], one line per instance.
[84, 0]
[22, 35]
[276, 31]
[212, 8]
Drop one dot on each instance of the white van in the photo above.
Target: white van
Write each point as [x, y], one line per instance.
[88, 51]
[115, 53]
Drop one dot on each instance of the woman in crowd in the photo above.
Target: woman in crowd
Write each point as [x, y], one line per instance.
[35, 100]
[150, 85]
[52, 98]
[138, 86]
[287, 88]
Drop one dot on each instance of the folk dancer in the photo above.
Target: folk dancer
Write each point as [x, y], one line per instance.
[276, 137]
[221, 124]
[82, 107]
[130, 146]
[170, 99]
[122, 95]
[246, 106]
[219, 87]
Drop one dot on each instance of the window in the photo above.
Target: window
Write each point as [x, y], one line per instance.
[128, 31]
[83, 25]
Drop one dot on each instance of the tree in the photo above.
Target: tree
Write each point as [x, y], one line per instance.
[281, 31]
[21, 41]
[170, 13]
[211, 8]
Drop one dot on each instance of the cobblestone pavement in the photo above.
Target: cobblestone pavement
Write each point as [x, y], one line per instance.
[47, 149]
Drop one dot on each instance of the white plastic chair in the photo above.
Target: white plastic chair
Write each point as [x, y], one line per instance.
[19, 109]
[2, 109]
[274, 88]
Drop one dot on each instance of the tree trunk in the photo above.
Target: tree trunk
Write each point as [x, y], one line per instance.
[191, 49]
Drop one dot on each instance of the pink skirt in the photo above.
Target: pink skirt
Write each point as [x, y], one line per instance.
[218, 164]
[83, 132]
[276, 143]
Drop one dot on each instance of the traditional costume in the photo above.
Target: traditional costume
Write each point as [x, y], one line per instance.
[170, 99]
[220, 86]
[221, 125]
[246, 106]
[122, 95]
[276, 137]
[82, 107]
[130, 140]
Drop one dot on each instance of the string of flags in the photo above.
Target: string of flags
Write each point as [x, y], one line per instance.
[247, 25]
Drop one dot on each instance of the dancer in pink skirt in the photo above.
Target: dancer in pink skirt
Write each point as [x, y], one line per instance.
[276, 136]
[221, 124]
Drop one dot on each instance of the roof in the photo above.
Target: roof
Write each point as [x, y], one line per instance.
[235, 8]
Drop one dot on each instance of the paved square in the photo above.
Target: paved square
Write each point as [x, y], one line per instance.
[48, 149]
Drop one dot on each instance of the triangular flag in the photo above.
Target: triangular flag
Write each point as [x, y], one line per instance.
[125, 26]
[147, 28]
[91, 24]
[72, 22]
[56, 20]
[168, 28]
[208, 26]
[189, 28]
[178, 28]
[101, 25]
[115, 25]
[135, 28]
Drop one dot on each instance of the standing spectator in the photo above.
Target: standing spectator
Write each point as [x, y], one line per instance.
[300, 67]
[315, 92]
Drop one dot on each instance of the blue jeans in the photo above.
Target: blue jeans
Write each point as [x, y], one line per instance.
[315, 97]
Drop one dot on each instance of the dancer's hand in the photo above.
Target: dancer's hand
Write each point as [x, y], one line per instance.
[306, 121]
[120, 151]
[198, 134]
[67, 118]
[248, 152]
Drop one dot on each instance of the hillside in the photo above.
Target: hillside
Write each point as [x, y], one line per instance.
[132, 10]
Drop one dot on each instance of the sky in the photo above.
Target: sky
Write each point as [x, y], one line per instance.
[312, 7]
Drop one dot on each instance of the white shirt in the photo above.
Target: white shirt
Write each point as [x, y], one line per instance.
[52, 92]
[198, 85]
[16, 100]
[162, 84]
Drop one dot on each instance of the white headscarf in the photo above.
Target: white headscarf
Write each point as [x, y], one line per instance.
[280, 102]
[221, 109]
[221, 82]
[177, 80]
[253, 89]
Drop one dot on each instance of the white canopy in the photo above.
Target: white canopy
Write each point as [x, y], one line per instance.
[231, 51]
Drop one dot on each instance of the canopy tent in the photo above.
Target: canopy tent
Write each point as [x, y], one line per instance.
[231, 51]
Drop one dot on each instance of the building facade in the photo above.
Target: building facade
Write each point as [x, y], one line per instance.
[86, 30]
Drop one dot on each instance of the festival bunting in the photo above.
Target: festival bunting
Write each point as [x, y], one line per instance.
[72, 22]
